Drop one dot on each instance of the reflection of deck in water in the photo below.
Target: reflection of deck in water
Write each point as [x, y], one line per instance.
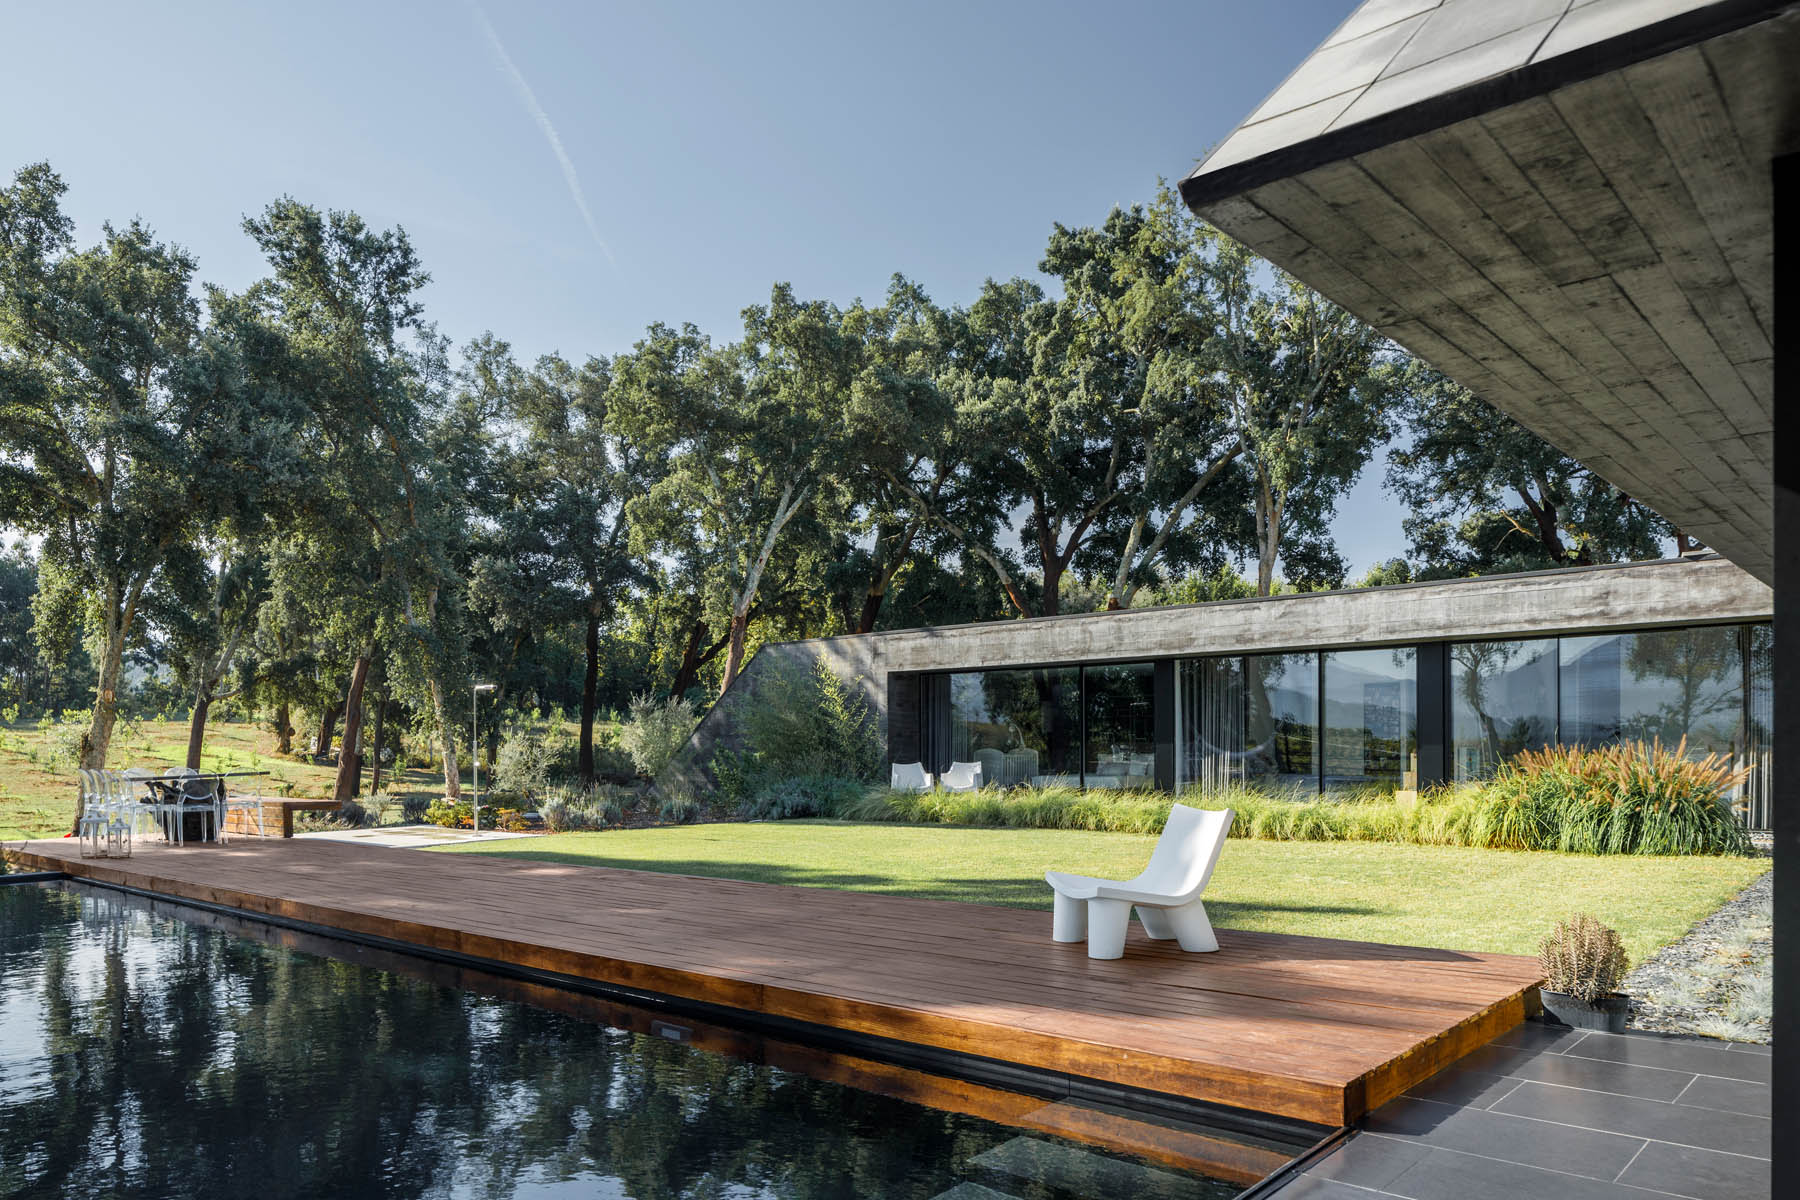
[1311, 1029]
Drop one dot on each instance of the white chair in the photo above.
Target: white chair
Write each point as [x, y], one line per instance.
[90, 827]
[961, 777]
[909, 777]
[143, 801]
[197, 794]
[229, 804]
[1166, 895]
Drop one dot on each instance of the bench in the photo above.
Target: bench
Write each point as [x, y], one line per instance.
[277, 814]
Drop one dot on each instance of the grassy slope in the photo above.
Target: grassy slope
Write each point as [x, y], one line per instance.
[1415, 895]
[39, 803]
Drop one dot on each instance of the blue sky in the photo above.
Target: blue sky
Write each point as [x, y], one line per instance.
[716, 147]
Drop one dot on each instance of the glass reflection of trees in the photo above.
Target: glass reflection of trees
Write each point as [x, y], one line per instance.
[142, 1056]
[1644, 686]
[1282, 720]
[1503, 700]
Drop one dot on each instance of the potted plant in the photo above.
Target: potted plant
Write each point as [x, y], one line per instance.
[1584, 962]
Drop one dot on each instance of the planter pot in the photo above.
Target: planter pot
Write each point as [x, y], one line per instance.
[1606, 1014]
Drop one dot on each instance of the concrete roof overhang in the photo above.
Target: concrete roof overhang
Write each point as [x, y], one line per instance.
[1565, 206]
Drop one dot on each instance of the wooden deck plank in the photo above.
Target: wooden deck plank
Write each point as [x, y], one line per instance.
[1309, 1028]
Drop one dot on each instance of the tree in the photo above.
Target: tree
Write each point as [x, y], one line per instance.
[117, 442]
[374, 537]
[750, 435]
[1488, 495]
[1309, 388]
[562, 545]
[1133, 335]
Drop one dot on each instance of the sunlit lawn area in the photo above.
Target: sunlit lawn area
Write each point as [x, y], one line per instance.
[1416, 895]
[36, 801]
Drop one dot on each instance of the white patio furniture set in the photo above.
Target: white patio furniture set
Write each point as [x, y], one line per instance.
[114, 804]
[913, 777]
[1166, 893]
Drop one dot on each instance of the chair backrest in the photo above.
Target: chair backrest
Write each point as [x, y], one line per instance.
[909, 775]
[1186, 853]
[85, 781]
[198, 789]
[962, 775]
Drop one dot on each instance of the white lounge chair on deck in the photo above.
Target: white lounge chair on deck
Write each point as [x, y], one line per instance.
[1166, 895]
[961, 777]
[909, 777]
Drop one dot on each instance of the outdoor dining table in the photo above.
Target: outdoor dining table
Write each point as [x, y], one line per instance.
[170, 781]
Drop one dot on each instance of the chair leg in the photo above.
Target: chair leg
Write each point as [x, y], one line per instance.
[1156, 923]
[1069, 920]
[1106, 927]
[1192, 929]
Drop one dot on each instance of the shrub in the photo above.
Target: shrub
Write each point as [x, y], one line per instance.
[532, 752]
[413, 807]
[571, 809]
[450, 814]
[802, 725]
[804, 796]
[678, 804]
[654, 730]
[1583, 958]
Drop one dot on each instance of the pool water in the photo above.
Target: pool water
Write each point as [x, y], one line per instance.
[148, 1050]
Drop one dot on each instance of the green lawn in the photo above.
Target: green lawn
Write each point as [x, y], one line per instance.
[1416, 895]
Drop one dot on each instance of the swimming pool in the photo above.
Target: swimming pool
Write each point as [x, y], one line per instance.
[151, 1049]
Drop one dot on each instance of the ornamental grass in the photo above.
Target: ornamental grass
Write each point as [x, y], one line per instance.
[1637, 798]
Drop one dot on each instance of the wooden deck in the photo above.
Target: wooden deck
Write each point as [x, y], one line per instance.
[1306, 1028]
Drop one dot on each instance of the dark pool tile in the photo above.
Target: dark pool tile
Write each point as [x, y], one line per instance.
[1471, 1089]
[1367, 1160]
[1448, 1175]
[1674, 1054]
[1569, 1070]
[1538, 1036]
[1512, 1138]
[1727, 1095]
[1704, 1174]
[1311, 1187]
[1682, 1124]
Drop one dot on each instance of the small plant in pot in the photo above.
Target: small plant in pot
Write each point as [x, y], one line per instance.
[1584, 962]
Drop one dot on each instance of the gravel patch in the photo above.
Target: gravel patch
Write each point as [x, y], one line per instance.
[1717, 980]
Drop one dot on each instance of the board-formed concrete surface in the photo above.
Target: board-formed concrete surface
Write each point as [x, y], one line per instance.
[1567, 207]
[1691, 591]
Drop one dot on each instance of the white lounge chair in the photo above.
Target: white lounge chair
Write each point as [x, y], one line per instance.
[909, 777]
[961, 777]
[1166, 895]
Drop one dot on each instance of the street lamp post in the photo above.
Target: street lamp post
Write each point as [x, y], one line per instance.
[475, 745]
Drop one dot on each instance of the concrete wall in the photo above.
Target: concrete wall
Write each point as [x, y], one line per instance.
[1705, 590]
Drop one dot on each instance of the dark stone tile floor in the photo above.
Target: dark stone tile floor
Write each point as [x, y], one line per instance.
[1561, 1114]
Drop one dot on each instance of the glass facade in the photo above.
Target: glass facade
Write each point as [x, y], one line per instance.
[1359, 718]
[1021, 726]
[1502, 701]
[1121, 725]
[1371, 718]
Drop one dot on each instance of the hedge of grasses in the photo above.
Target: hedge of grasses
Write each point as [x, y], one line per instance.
[1631, 799]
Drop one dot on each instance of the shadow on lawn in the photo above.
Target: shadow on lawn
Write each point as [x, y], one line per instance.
[1008, 891]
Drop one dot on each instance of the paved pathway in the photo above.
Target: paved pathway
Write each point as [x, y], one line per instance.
[1565, 1115]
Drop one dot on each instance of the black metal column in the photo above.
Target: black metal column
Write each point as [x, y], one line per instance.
[1434, 713]
[1785, 805]
[1162, 706]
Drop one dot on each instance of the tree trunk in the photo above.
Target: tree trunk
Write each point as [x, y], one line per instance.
[1052, 602]
[871, 607]
[380, 713]
[590, 688]
[734, 650]
[447, 740]
[327, 726]
[284, 729]
[349, 769]
[687, 676]
[197, 726]
[98, 739]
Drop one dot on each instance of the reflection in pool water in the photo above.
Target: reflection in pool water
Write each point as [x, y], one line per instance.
[144, 1054]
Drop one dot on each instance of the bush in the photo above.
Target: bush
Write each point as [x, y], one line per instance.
[802, 726]
[413, 807]
[804, 796]
[1583, 958]
[655, 730]
[678, 804]
[532, 752]
[569, 809]
[451, 815]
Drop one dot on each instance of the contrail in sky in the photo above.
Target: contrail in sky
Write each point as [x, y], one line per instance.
[543, 120]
